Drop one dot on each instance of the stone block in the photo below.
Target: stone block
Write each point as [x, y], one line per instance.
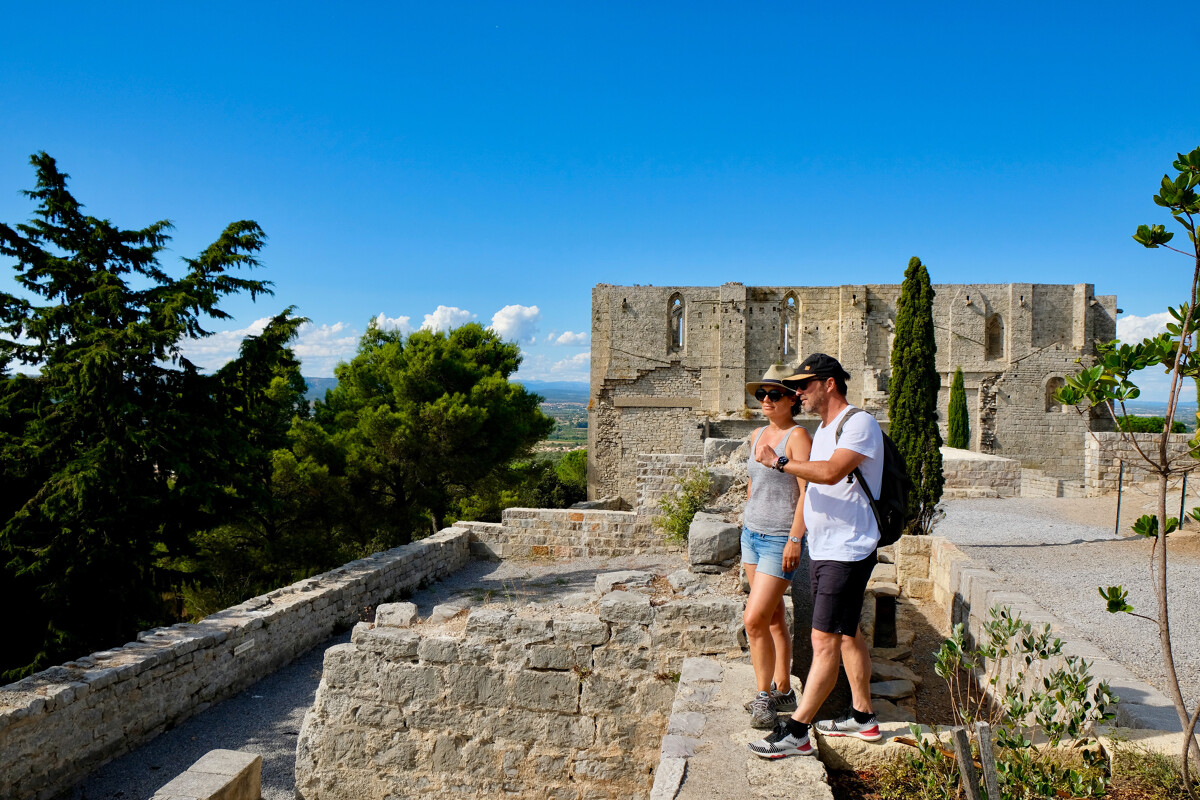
[446, 611]
[218, 775]
[586, 629]
[893, 690]
[890, 670]
[392, 643]
[438, 650]
[605, 581]
[551, 656]
[626, 608]
[919, 588]
[396, 615]
[668, 777]
[712, 540]
[546, 691]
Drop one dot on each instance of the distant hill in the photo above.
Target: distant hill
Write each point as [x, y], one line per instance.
[317, 388]
[559, 391]
[553, 391]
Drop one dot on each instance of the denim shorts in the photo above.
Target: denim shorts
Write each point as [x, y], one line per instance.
[765, 553]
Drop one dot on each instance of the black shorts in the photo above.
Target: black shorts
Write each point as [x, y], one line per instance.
[838, 588]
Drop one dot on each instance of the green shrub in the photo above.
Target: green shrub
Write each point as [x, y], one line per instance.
[958, 433]
[1132, 424]
[680, 507]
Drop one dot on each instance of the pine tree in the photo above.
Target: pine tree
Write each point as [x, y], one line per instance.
[959, 427]
[912, 394]
[118, 448]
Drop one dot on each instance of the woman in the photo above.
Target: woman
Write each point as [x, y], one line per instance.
[772, 543]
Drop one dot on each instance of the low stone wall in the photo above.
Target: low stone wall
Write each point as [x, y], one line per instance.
[659, 473]
[965, 591]
[514, 704]
[59, 724]
[566, 533]
[971, 474]
[1104, 453]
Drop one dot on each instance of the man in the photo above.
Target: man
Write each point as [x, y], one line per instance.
[842, 537]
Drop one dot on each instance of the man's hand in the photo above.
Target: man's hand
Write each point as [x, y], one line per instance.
[765, 454]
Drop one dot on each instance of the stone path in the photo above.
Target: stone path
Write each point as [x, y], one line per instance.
[266, 717]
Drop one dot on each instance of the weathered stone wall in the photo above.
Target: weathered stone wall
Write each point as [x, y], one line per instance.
[569, 533]
[659, 475]
[652, 393]
[1105, 452]
[516, 704]
[57, 725]
[971, 474]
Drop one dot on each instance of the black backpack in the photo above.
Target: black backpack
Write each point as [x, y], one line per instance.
[891, 508]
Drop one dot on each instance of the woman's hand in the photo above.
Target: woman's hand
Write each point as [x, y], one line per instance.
[791, 556]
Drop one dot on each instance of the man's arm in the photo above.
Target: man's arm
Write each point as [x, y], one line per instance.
[840, 464]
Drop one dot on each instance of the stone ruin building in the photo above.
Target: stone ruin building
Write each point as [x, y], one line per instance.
[669, 364]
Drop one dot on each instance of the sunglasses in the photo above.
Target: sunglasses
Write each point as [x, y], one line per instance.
[774, 394]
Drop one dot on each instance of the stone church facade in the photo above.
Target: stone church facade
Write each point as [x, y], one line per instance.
[670, 364]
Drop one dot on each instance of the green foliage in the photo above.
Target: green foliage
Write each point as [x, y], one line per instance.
[679, 507]
[1131, 424]
[119, 447]
[959, 425]
[912, 395]
[538, 483]
[1035, 691]
[417, 424]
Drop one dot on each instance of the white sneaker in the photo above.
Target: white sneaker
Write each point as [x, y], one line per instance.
[781, 744]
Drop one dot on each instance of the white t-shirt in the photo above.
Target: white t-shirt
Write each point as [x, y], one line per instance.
[840, 523]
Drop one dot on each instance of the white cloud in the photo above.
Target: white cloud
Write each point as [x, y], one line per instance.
[537, 367]
[446, 317]
[572, 339]
[516, 323]
[1132, 329]
[213, 352]
[402, 324]
[319, 347]
[322, 347]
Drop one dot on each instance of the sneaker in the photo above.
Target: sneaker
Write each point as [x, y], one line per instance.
[762, 711]
[781, 744]
[846, 725]
[784, 703]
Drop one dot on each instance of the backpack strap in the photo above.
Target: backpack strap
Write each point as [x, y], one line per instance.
[856, 472]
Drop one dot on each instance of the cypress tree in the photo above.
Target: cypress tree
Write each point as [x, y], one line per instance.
[959, 432]
[912, 395]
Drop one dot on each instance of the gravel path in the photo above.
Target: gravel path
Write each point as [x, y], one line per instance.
[1059, 551]
[266, 717]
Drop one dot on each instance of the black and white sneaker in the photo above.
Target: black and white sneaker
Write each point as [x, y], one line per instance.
[762, 711]
[779, 743]
[846, 725]
[784, 703]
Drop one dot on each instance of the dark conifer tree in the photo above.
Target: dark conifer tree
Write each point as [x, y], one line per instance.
[958, 425]
[117, 448]
[912, 394]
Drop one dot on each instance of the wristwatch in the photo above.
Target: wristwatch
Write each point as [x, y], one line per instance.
[781, 463]
[793, 540]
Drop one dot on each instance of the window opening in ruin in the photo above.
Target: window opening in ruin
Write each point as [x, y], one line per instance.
[1052, 386]
[675, 323]
[995, 338]
[789, 325]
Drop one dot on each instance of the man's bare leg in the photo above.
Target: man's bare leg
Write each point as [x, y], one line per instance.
[856, 658]
[822, 675]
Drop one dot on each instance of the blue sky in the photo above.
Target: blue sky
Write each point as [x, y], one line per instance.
[438, 162]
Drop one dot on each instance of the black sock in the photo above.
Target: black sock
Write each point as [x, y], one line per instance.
[861, 717]
[797, 729]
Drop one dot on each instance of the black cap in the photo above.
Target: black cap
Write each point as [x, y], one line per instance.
[819, 365]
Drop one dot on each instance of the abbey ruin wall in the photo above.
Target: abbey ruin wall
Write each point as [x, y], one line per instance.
[666, 361]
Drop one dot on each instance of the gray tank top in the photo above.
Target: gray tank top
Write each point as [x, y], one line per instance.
[773, 494]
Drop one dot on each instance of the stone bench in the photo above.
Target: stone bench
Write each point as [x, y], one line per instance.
[218, 775]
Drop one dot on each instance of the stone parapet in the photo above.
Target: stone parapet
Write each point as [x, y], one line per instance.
[61, 723]
[513, 704]
[971, 474]
[965, 591]
[569, 533]
[658, 475]
[1104, 454]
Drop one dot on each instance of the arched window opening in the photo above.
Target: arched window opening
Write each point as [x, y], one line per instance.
[1052, 386]
[789, 327]
[675, 323]
[995, 338]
